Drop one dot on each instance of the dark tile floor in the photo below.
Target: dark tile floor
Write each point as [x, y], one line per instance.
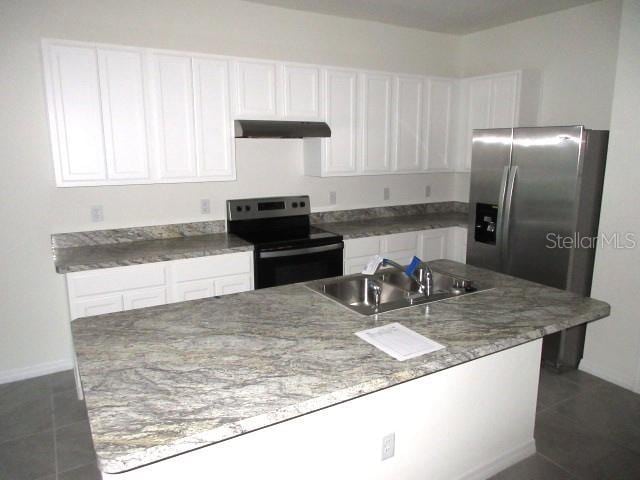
[586, 429]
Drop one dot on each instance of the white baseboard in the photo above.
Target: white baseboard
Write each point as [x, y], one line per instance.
[606, 374]
[496, 465]
[16, 374]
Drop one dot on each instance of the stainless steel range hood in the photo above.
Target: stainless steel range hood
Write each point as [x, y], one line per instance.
[280, 129]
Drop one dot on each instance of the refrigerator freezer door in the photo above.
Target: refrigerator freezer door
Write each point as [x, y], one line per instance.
[491, 157]
[543, 208]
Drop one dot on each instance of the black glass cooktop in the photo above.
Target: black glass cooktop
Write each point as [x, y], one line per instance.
[291, 237]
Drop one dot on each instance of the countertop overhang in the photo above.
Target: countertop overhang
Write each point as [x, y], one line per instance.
[165, 380]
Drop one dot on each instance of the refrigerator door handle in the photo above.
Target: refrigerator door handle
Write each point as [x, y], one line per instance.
[501, 206]
[506, 218]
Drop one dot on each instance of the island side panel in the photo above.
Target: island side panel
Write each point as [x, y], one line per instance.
[466, 422]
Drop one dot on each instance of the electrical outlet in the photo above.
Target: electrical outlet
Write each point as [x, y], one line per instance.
[387, 193]
[205, 206]
[97, 213]
[427, 191]
[333, 198]
[388, 446]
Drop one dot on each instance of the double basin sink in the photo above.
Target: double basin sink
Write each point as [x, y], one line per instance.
[393, 288]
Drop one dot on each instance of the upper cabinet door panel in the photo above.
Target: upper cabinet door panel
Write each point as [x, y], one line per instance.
[408, 123]
[172, 77]
[256, 89]
[301, 85]
[440, 93]
[123, 109]
[340, 107]
[214, 142]
[75, 114]
[504, 104]
[375, 124]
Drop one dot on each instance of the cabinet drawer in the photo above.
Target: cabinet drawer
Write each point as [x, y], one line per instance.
[361, 247]
[149, 297]
[209, 267]
[233, 284]
[116, 279]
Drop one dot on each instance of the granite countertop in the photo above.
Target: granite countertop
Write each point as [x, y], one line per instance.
[165, 380]
[398, 224]
[91, 257]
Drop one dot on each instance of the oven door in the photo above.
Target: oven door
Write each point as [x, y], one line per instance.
[300, 264]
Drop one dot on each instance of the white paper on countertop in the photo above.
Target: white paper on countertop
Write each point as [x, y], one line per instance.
[400, 342]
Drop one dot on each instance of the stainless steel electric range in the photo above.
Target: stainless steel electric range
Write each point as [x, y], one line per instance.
[287, 248]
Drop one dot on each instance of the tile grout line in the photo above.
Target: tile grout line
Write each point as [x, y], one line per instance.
[568, 472]
[55, 440]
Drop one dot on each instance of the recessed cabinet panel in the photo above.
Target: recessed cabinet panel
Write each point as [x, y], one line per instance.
[375, 124]
[75, 114]
[123, 110]
[193, 290]
[434, 243]
[232, 284]
[504, 101]
[256, 89]
[440, 92]
[145, 298]
[174, 116]
[340, 105]
[301, 92]
[408, 123]
[214, 142]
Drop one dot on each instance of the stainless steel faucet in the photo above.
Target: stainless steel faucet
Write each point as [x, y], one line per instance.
[425, 281]
[376, 289]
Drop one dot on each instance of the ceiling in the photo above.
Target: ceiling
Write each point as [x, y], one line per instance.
[446, 16]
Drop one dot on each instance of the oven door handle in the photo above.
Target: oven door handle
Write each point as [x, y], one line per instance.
[301, 251]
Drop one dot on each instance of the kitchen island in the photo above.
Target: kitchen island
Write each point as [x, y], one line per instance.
[188, 389]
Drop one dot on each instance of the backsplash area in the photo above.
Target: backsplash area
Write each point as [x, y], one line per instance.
[176, 230]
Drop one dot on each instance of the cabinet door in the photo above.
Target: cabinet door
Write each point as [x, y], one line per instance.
[375, 123]
[193, 290]
[504, 100]
[96, 305]
[123, 110]
[362, 247]
[301, 92]
[255, 89]
[340, 108]
[173, 87]
[355, 265]
[401, 247]
[478, 111]
[232, 284]
[434, 243]
[75, 114]
[408, 124]
[457, 244]
[213, 132]
[144, 298]
[438, 122]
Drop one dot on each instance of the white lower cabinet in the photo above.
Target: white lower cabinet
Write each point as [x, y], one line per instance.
[448, 243]
[117, 289]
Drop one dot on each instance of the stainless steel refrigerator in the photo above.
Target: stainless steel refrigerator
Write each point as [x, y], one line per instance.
[533, 210]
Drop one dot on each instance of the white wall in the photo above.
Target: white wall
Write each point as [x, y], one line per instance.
[572, 51]
[612, 348]
[33, 312]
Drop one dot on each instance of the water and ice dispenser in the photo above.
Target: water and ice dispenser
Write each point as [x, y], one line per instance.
[486, 223]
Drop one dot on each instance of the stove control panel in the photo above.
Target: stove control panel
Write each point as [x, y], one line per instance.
[270, 207]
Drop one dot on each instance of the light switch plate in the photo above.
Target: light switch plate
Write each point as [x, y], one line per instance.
[97, 214]
[333, 198]
[205, 206]
[427, 191]
[387, 193]
[388, 446]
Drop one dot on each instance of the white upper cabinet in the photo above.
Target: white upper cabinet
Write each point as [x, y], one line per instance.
[255, 83]
[301, 92]
[408, 119]
[339, 151]
[75, 114]
[123, 112]
[503, 100]
[438, 125]
[173, 92]
[375, 122]
[213, 127]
